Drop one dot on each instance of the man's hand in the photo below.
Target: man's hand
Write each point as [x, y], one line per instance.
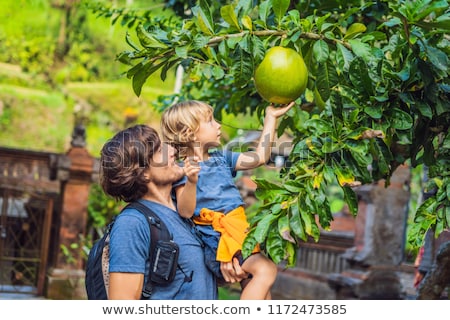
[232, 271]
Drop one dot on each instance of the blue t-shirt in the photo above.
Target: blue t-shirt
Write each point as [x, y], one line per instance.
[129, 248]
[216, 189]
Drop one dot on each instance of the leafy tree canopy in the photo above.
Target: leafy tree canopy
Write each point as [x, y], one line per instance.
[377, 96]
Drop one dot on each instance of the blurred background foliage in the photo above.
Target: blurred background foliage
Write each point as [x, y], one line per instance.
[58, 67]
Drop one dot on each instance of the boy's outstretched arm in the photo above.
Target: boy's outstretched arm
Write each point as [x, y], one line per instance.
[254, 159]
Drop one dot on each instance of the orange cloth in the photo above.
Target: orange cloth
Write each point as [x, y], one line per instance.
[233, 228]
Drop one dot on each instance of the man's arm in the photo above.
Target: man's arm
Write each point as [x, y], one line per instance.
[125, 286]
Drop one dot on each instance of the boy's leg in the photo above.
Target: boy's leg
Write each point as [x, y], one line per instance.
[264, 272]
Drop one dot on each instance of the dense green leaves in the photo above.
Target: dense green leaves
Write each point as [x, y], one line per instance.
[379, 69]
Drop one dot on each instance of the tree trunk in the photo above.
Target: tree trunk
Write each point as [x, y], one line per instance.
[438, 278]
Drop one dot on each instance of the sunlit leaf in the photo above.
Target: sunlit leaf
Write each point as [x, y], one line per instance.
[280, 7]
[354, 29]
[228, 14]
[263, 227]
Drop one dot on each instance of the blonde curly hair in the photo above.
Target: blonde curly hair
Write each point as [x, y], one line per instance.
[180, 121]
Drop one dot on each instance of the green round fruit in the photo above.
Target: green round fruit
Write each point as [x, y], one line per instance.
[282, 75]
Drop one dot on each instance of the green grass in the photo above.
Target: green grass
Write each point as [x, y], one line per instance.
[33, 119]
[228, 293]
[43, 120]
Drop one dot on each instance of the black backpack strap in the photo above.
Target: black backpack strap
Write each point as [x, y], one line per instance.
[158, 231]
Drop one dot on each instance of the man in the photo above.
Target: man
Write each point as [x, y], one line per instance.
[137, 166]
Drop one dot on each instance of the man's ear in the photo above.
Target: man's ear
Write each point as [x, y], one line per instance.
[147, 175]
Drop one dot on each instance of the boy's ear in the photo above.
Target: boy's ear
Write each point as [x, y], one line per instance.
[191, 135]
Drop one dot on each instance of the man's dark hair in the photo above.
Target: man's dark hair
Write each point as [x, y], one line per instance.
[124, 159]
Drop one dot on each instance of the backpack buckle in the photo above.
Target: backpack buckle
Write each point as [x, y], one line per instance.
[155, 222]
[146, 293]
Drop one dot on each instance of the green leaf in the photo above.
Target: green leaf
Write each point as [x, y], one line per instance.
[327, 78]
[280, 7]
[294, 186]
[217, 72]
[263, 227]
[322, 21]
[124, 57]
[447, 216]
[307, 220]
[355, 29]
[331, 146]
[200, 42]
[247, 22]
[182, 51]
[264, 10]
[375, 112]
[142, 75]
[344, 175]
[249, 243]
[204, 20]
[442, 24]
[295, 17]
[258, 49]
[228, 14]
[324, 213]
[359, 76]
[392, 22]
[291, 254]
[351, 199]
[442, 107]
[350, 94]
[343, 57]
[307, 216]
[423, 8]
[275, 246]
[321, 126]
[321, 51]
[361, 49]
[296, 223]
[328, 174]
[172, 61]
[284, 228]
[267, 185]
[358, 162]
[382, 158]
[400, 119]
[423, 213]
[130, 42]
[132, 71]
[424, 109]
[242, 68]
[438, 58]
[147, 40]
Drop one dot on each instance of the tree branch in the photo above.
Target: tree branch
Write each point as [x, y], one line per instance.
[266, 33]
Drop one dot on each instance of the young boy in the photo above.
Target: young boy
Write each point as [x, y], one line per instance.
[208, 192]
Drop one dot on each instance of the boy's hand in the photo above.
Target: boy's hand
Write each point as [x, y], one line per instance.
[191, 169]
[278, 112]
